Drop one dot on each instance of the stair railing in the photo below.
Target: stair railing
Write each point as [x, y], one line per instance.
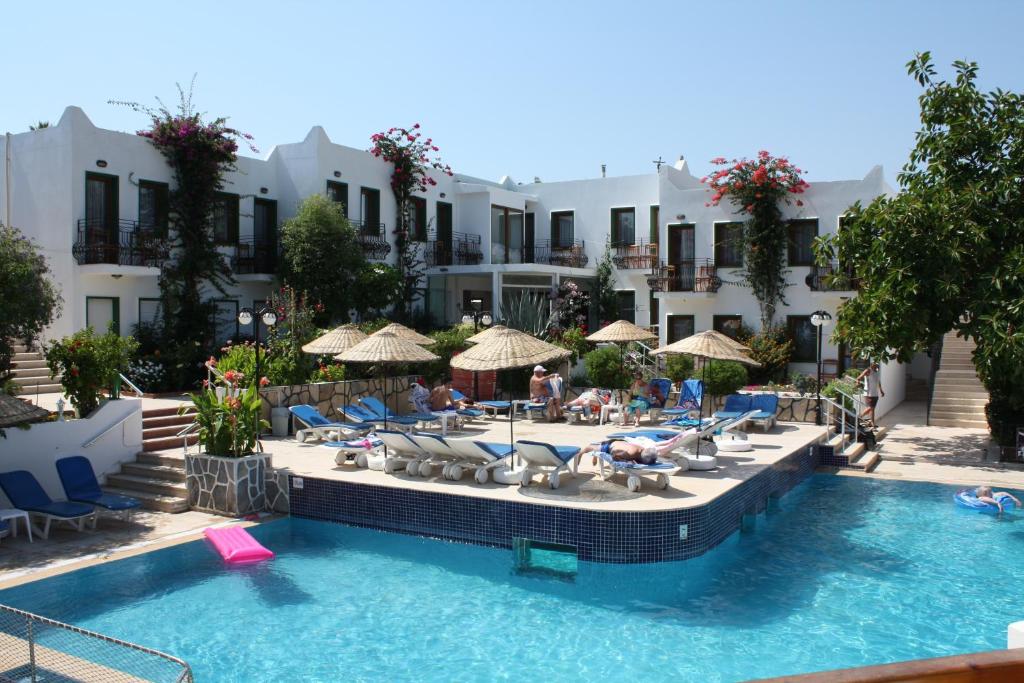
[184, 433]
[130, 385]
[99, 436]
[844, 413]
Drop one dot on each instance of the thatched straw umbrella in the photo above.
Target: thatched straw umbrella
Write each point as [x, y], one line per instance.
[385, 348]
[403, 332]
[484, 335]
[708, 344]
[509, 349]
[15, 411]
[620, 333]
[336, 342]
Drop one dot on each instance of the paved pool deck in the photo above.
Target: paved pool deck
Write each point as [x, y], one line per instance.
[686, 489]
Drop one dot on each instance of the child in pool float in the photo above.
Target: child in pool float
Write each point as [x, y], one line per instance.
[985, 494]
[624, 451]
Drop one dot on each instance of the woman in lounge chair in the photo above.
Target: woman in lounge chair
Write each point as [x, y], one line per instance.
[645, 396]
[624, 451]
[588, 398]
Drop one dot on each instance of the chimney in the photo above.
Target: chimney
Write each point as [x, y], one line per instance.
[604, 168]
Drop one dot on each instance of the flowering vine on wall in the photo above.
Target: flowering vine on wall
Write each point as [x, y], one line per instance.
[758, 187]
[411, 156]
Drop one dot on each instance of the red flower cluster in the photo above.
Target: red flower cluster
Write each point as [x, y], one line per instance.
[411, 157]
[749, 182]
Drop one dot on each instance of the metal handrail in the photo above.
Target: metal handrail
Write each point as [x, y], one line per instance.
[99, 436]
[184, 434]
[138, 392]
[844, 411]
[33, 674]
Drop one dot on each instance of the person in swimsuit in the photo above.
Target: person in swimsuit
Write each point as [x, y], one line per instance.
[645, 396]
[441, 397]
[540, 392]
[623, 451]
[985, 494]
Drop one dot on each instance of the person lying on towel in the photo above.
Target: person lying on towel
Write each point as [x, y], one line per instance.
[645, 452]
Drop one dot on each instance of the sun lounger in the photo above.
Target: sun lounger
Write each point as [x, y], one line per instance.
[468, 413]
[440, 453]
[5, 528]
[735, 405]
[26, 494]
[634, 470]
[487, 457]
[696, 442]
[767, 406]
[544, 458]
[403, 453]
[361, 415]
[80, 486]
[376, 407]
[356, 450]
[321, 427]
[494, 407]
[689, 399]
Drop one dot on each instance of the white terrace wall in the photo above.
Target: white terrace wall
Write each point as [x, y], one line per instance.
[37, 448]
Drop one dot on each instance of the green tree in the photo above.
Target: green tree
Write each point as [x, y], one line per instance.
[378, 286]
[723, 377]
[946, 252]
[605, 368]
[678, 367]
[772, 348]
[604, 289]
[88, 363]
[29, 301]
[320, 256]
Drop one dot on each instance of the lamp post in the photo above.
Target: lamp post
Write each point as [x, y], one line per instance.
[478, 318]
[819, 319]
[248, 316]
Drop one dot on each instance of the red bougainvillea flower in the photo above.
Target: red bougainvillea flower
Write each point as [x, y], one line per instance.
[264, 382]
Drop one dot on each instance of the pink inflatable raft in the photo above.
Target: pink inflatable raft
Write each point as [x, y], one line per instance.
[236, 546]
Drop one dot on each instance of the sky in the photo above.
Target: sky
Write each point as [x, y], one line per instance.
[546, 89]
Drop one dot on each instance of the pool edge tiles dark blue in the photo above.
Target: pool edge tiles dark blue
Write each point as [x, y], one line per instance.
[614, 537]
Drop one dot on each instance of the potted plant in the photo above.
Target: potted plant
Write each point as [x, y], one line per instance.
[228, 476]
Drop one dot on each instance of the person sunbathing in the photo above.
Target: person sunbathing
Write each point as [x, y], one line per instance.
[588, 398]
[624, 451]
[985, 494]
[441, 397]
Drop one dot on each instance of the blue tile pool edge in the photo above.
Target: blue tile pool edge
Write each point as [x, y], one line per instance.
[615, 537]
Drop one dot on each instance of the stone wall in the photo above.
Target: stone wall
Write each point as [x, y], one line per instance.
[328, 397]
[277, 491]
[227, 486]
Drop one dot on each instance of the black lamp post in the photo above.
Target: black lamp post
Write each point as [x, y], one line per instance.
[819, 319]
[478, 318]
[248, 316]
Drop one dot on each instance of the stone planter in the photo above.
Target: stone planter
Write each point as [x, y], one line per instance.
[227, 486]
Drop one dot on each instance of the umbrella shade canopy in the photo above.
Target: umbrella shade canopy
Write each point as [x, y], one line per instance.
[484, 335]
[507, 349]
[336, 341]
[14, 411]
[709, 344]
[404, 333]
[621, 332]
[732, 342]
[385, 347]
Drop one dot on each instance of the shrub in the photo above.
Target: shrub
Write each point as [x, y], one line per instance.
[679, 367]
[605, 368]
[280, 368]
[723, 377]
[89, 363]
[334, 372]
[446, 344]
[228, 426]
[772, 348]
[805, 384]
[847, 384]
[579, 377]
[371, 326]
[575, 340]
[148, 373]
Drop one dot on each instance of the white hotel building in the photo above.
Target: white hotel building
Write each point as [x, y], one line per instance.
[93, 199]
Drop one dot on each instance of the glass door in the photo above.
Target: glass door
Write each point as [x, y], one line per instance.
[681, 251]
[101, 214]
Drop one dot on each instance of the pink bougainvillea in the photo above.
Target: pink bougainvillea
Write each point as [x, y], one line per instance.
[748, 183]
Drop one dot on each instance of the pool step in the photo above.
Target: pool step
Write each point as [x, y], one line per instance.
[154, 501]
[156, 479]
[149, 484]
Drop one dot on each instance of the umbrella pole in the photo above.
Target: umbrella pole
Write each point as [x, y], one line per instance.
[700, 410]
[511, 433]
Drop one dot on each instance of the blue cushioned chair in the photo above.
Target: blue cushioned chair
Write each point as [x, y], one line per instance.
[25, 493]
[321, 427]
[735, 405]
[767, 406]
[544, 458]
[80, 486]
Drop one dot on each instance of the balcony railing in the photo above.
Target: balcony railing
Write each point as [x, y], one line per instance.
[831, 278]
[642, 255]
[461, 250]
[121, 243]
[571, 254]
[372, 238]
[698, 275]
[254, 256]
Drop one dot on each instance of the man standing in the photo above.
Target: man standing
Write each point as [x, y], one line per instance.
[542, 391]
[872, 391]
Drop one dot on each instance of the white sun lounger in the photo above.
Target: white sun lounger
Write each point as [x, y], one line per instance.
[439, 453]
[401, 452]
[486, 457]
[634, 470]
[544, 458]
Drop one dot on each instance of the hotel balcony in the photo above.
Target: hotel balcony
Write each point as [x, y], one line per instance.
[698, 276]
[640, 256]
[254, 260]
[831, 278]
[120, 247]
[571, 255]
[372, 238]
[461, 250]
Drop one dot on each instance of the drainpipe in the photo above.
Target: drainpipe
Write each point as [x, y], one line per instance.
[7, 178]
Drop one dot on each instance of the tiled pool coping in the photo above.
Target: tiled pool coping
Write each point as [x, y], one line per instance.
[620, 537]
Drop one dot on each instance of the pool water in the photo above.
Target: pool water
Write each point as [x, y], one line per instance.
[846, 572]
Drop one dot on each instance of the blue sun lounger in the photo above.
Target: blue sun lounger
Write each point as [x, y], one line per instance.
[26, 494]
[544, 458]
[689, 399]
[320, 426]
[634, 470]
[471, 413]
[767, 406]
[362, 415]
[376, 407]
[488, 456]
[735, 405]
[80, 486]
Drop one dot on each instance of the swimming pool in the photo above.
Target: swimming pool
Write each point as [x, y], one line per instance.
[846, 572]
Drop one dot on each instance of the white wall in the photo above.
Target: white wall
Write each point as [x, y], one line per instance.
[37, 448]
[894, 383]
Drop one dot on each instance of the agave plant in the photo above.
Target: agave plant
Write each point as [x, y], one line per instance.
[527, 312]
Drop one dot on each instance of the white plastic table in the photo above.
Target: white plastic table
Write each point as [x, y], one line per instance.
[612, 408]
[14, 515]
[446, 416]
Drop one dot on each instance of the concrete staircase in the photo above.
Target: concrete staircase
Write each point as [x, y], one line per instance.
[958, 397]
[29, 371]
[856, 452]
[157, 477]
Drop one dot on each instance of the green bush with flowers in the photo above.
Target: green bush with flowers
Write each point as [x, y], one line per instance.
[228, 415]
[89, 363]
[328, 372]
